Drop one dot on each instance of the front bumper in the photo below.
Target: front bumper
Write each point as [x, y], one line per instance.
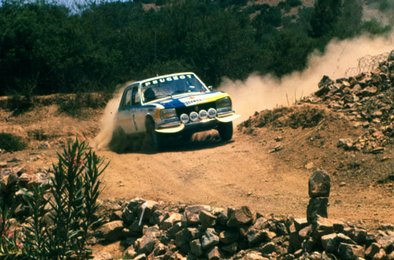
[201, 125]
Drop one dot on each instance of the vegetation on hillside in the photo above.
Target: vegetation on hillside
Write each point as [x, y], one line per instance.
[50, 46]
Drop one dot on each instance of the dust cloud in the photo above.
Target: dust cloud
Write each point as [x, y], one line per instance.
[260, 92]
[107, 125]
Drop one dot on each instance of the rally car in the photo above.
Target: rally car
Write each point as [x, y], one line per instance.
[175, 104]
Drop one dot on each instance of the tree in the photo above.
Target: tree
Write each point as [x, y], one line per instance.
[325, 16]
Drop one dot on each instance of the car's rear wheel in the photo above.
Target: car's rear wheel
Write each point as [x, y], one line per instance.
[155, 139]
[226, 131]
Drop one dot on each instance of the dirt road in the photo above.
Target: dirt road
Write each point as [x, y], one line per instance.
[238, 173]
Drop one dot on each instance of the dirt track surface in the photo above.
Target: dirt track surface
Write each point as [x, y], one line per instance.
[238, 173]
[241, 172]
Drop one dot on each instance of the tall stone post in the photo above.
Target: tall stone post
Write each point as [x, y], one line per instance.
[319, 191]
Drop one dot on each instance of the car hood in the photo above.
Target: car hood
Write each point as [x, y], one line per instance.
[189, 99]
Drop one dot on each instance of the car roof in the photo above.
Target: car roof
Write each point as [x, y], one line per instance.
[163, 76]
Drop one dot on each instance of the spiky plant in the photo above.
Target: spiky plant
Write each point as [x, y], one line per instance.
[63, 215]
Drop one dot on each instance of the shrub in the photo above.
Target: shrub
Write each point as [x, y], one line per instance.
[62, 216]
[11, 143]
[74, 105]
[19, 104]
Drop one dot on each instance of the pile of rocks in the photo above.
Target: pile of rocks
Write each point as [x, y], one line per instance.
[152, 230]
[368, 100]
[16, 181]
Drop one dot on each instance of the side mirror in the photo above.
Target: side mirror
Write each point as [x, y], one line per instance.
[210, 88]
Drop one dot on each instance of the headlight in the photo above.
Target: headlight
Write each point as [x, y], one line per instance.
[168, 113]
[184, 118]
[212, 112]
[203, 114]
[193, 116]
[223, 105]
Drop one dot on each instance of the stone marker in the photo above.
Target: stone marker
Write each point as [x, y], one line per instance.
[319, 191]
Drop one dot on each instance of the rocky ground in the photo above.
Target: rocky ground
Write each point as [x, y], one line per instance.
[345, 128]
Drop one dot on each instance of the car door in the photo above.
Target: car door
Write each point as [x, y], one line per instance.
[125, 113]
[138, 111]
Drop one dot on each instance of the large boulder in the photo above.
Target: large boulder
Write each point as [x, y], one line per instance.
[239, 217]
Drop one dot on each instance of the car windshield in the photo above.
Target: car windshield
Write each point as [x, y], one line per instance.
[171, 85]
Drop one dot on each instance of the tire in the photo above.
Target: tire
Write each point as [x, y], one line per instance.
[155, 140]
[226, 131]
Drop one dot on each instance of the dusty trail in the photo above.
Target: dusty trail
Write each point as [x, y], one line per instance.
[233, 174]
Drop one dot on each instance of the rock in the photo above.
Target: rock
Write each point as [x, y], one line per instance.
[346, 144]
[372, 250]
[317, 207]
[207, 219]
[239, 217]
[3, 164]
[368, 91]
[192, 213]
[102, 256]
[305, 232]
[140, 257]
[255, 236]
[391, 56]
[184, 236]
[131, 212]
[222, 217]
[300, 223]
[230, 248]
[250, 255]
[268, 248]
[25, 178]
[112, 231]
[145, 244]
[276, 148]
[129, 253]
[382, 255]
[325, 226]
[331, 242]
[319, 184]
[157, 217]
[209, 239]
[350, 251]
[160, 249]
[171, 232]
[261, 223]
[228, 236]
[196, 247]
[214, 254]
[172, 219]
[309, 166]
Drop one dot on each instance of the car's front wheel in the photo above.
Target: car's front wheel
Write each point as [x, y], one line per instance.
[155, 139]
[226, 131]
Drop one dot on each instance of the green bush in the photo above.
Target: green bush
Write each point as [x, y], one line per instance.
[62, 215]
[11, 143]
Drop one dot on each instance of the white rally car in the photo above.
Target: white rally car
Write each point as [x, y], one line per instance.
[174, 104]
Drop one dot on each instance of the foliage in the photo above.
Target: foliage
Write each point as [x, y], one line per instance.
[74, 105]
[63, 214]
[10, 246]
[48, 47]
[11, 143]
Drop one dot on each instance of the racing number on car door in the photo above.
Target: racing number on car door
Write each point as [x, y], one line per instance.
[138, 116]
[125, 115]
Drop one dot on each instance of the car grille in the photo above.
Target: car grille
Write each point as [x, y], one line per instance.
[196, 108]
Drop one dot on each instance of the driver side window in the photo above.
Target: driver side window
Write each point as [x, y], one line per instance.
[127, 101]
[135, 97]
